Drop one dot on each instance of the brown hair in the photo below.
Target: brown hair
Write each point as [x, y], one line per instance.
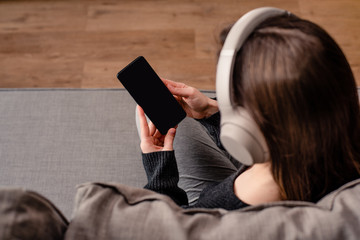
[298, 86]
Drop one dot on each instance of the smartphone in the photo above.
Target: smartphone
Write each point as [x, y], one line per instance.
[150, 93]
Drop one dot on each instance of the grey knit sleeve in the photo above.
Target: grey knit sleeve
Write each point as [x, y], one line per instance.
[163, 175]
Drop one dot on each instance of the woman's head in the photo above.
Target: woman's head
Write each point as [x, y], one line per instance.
[298, 86]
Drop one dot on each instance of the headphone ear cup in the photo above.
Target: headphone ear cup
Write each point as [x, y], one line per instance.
[239, 134]
[242, 138]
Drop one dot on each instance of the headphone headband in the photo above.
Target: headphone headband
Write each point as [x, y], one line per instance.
[239, 134]
[239, 32]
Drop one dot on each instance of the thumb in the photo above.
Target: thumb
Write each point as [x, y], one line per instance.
[169, 140]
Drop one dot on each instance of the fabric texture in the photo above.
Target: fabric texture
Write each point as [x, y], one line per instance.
[201, 161]
[54, 139]
[27, 216]
[115, 211]
[163, 177]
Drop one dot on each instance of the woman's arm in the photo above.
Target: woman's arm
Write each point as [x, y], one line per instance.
[195, 103]
[163, 175]
[199, 107]
[159, 160]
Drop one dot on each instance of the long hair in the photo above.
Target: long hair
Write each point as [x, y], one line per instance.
[298, 86]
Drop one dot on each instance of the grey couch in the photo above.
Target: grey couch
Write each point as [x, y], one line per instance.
[54, 139]
[71, 164]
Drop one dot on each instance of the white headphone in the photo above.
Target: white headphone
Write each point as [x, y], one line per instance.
[239, 133]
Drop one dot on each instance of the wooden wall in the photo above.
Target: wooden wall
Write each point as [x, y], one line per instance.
[84, 43]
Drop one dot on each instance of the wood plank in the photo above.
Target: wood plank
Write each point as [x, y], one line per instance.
[29, 71]
[341, 20]
[83, 43]
[42, 16]
[101, 46]
[140, 15]
[201, 72]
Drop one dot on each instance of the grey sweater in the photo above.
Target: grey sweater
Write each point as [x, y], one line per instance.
[163, 177]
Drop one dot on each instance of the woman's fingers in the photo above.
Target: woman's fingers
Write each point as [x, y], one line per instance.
[147, 129]
[152, 129]
[179, 89]
[151, 139]
[169, 140]
[168, 82]
[144, 127]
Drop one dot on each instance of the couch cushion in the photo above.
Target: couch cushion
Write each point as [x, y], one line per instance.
[27, 215]
[54, 139]
[115, 211]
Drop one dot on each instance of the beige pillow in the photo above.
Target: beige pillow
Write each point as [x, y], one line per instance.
[115, 211]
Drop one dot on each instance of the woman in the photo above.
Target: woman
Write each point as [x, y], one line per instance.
[298, 87]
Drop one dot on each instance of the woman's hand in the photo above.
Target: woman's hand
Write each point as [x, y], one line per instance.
[151, 139]
[195, 104]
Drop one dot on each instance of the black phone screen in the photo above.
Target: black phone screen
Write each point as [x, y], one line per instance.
[149, 92]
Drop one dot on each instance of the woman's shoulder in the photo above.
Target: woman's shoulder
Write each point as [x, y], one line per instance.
[256, 185]
[221, 195]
